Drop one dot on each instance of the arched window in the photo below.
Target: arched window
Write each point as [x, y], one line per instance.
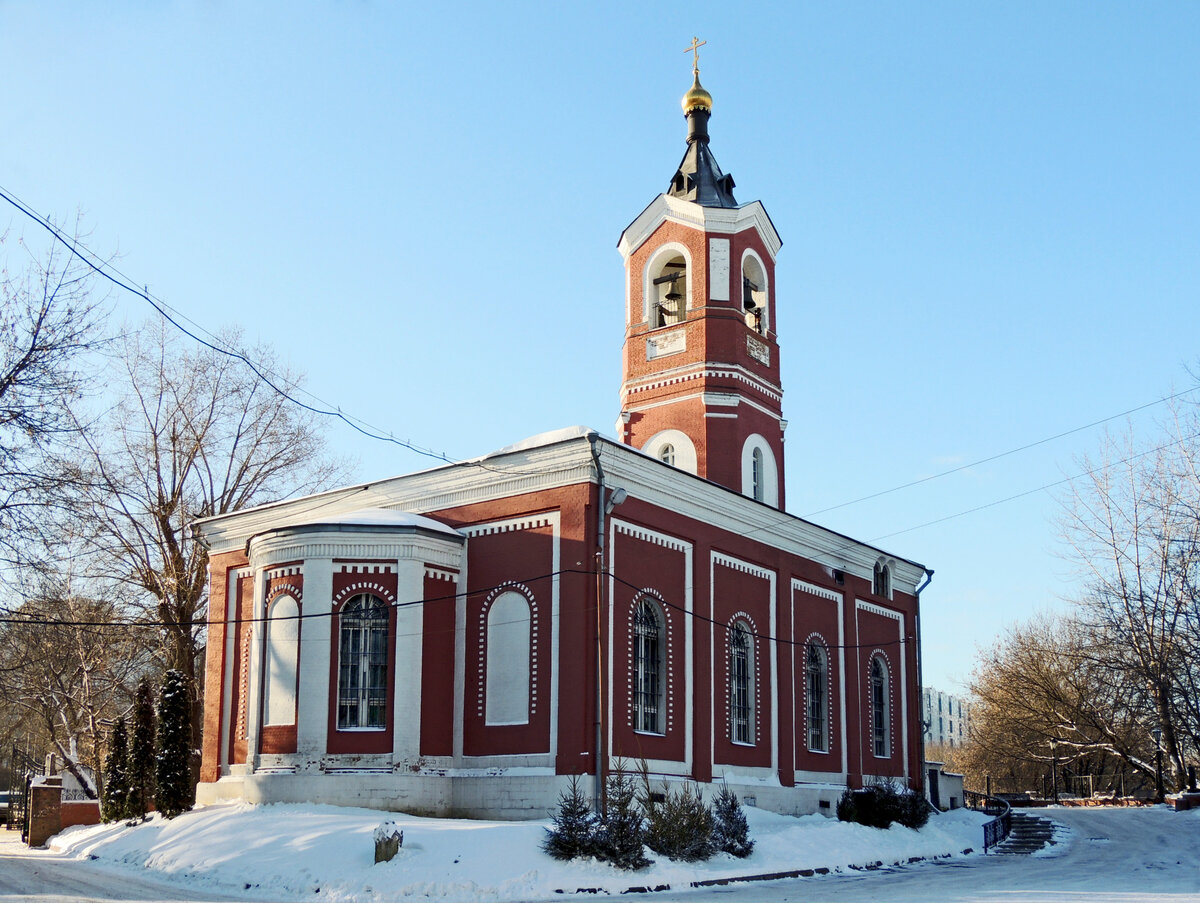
[362, 663]
[672, 447]
[508, 633]
[882, 584]
[741, 684]
[760, 475]
[281, 660]
[647, 667]
[817, 674]
[880, 700]
[668, 301]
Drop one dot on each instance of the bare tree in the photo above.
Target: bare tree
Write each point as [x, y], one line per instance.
[67, 669]
[1132, 526]
[1045, 697]
[192, 433]
[49, 317]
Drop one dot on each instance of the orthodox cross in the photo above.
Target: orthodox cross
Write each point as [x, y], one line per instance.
[695, 51]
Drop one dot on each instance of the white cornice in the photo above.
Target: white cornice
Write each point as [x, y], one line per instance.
[559, 463]
[721, 220]
[706, 370]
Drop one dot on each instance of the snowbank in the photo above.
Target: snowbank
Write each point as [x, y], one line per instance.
[293, 851]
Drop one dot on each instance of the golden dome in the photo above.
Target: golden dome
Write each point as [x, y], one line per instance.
[696, 98]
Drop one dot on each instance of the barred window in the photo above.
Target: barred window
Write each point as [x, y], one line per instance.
[647, 667]
[741, 685]
[817, 670]
[363, 663]
[879, 708]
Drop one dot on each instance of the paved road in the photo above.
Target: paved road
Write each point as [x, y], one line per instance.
[37, 876]
[1107, 856]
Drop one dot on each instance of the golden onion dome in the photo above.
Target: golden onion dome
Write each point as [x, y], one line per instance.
[696, 98]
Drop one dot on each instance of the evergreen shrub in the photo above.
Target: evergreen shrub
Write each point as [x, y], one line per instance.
[114, 805]
[680, 825]
[141, 754]
[575, 834]
[731, 831]
[172, 775]
[881, 805]
[622, 837]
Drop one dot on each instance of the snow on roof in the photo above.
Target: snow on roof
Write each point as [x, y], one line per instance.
[381, 517]
[562, 435]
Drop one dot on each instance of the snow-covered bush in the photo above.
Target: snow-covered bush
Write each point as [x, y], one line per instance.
[171, 770]
[115, 802]
[678, 823]
[622, 836]
[731, 832]
[879, 805]
[141, 754]
[575, 831]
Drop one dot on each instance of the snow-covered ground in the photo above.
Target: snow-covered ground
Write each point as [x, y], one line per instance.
[326, 853]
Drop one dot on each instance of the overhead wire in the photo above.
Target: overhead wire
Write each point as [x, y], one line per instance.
[102, 268]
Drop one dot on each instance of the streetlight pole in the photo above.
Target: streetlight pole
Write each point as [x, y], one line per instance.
[1054, 768]
[1159, 792]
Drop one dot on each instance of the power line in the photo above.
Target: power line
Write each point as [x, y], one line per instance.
[102, 268]
[1005, 454]
[229, 622]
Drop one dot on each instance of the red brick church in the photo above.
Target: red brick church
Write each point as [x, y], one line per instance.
[466, 639]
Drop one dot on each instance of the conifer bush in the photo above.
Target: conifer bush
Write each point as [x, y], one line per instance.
[622, 837]
[141, 763]
[174, 783]
[576, 828]
[680, 826]
[731, 831]
[881, 805]
[115, 802]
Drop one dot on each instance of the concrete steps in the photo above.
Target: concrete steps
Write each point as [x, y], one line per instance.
[1030, 833]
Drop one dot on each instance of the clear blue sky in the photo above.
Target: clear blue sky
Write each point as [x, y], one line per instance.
[990, 215]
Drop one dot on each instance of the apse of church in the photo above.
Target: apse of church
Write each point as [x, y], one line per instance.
[468, 639]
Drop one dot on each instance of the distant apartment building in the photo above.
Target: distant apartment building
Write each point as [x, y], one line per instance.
[947, 718]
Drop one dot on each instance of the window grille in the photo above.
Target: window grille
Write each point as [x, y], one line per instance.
[647, 663]
[740, 685]
[363, 663]
[879, 707]
[818, 737]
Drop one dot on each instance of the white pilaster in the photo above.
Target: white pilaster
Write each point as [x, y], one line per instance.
[312, 718]
[410, 618]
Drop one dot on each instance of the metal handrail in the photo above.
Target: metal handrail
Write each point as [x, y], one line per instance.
[998, 829]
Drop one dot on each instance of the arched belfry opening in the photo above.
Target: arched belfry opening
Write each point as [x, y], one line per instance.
[670, 286]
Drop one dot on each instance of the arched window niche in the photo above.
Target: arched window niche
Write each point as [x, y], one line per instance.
[880, 708]
[816, 670]
[667, 290]
[760, 474]
[672, 447]
[509, 630]
[754, 293]
[648, 666]
[282, 661]
[741, 684]
[362, 664]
